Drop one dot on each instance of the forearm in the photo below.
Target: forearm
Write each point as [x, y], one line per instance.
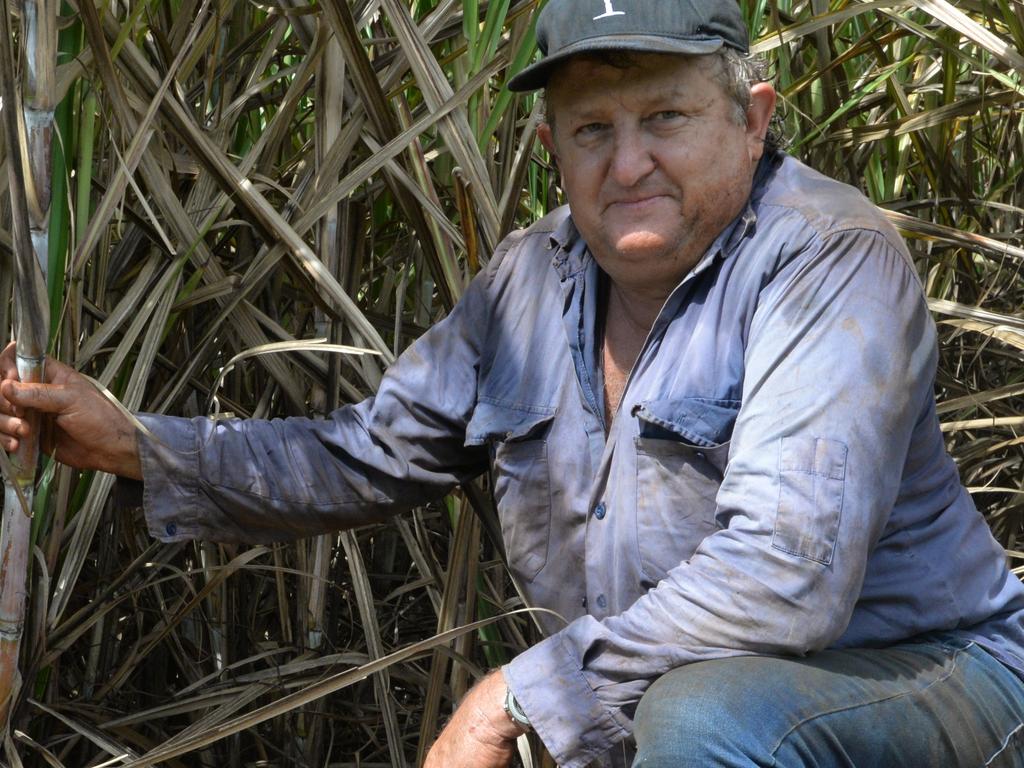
[480, 733]
[262, 481]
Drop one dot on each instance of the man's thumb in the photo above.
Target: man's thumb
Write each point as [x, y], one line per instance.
[48, 398]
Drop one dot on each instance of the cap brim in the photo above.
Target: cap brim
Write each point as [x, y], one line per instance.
[535, 76]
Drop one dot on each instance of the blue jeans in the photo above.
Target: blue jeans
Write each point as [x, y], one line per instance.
[943, 702]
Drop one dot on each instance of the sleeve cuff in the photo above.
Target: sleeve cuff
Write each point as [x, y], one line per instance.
[548, 682]
[170, 472]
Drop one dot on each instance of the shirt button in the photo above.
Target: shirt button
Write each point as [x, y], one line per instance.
[171, 529]
[601, 602]
[599, 511]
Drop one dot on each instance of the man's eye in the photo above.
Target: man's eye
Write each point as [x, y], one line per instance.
[667, 114]
[590, 129]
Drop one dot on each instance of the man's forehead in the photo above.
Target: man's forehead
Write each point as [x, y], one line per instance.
[587, 72]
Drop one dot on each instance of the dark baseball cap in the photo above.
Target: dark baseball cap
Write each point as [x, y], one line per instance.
[569, 27]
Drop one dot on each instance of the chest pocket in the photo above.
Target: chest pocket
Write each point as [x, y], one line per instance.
[681, 455]
[516, 436]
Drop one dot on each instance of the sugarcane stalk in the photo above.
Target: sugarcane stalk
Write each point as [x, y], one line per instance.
[317, 552]
[27, 135]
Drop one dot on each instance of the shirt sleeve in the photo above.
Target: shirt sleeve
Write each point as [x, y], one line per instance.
[262, 481]
[840, 362]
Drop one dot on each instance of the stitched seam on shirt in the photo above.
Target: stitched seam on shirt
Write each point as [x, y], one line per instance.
[680, 430]
[902, 694]
[541, 410]
[534, 571]
[781, 547]
[819, 242]
[826, 475]
[804, 555]
[901, 253]
[825, 233]
[700, 440]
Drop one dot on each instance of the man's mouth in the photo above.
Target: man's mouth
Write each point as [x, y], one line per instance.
[637, 202]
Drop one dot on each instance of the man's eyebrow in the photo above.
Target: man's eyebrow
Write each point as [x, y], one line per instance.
[682, 98]
[685, 93]
[586, 115]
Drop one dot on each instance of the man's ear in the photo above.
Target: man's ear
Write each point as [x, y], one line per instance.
[547, 138]
[759, 117]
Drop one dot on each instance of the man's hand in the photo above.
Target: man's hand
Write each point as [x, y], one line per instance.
[81, 428]
[480, 734]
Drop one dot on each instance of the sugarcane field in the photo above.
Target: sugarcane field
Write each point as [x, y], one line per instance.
[246, 212]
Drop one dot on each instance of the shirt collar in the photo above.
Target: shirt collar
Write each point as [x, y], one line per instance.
[571, 253]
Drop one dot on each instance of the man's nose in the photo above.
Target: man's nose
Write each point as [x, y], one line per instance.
[633, 159]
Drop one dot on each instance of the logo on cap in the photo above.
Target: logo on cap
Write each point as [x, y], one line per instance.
[609, 11]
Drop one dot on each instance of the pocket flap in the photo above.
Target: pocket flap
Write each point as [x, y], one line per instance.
[495, 421]
[700, 421]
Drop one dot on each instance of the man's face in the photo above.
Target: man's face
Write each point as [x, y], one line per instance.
[653, 160]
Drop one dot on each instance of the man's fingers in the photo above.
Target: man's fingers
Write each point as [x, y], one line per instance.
[54, 371]
[47, 398]
[6, 406]
[8, 364]
[12, 426]
[11, 429]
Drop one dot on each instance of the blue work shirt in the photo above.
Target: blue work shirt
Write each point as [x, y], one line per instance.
[774, 482]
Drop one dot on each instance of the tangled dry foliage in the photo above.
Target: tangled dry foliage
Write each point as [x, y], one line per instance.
[233, 174]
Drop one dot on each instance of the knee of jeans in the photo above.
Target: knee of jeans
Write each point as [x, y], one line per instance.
[695, 715]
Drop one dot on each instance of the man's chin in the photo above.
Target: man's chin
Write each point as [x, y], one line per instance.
[640, 246]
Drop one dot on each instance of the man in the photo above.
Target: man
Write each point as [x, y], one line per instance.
[706, 394]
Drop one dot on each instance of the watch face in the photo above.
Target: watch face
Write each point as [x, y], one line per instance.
[515, 712]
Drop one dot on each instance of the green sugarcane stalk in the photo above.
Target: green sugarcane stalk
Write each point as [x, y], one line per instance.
[27, 135]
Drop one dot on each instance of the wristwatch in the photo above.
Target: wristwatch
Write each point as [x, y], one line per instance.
[515, 712]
